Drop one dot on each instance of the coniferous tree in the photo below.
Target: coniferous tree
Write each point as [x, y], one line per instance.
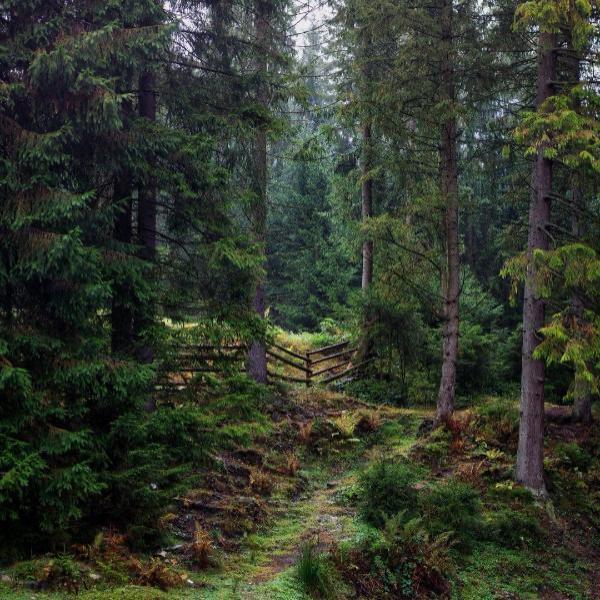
[449, 192]
[564, 130]
[429, 72]
[61, 114]
[559, 24]
[531, 433]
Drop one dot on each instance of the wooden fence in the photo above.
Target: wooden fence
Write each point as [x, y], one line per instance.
[320, 366]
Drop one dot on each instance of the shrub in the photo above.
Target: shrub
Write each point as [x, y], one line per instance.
[436, 448]
[452, 506]
[379, 392]
[404, 560]
[513, 528]
[316, 573]
[498, 421]
[512, 493]
[387, 489]
[573, 455]
[422, 388]
[62, 572]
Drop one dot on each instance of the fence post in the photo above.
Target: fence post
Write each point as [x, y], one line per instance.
[308, 371]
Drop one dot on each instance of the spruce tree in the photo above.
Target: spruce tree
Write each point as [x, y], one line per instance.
[559, 24]
[61, 113]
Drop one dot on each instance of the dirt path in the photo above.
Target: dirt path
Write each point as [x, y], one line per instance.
[264, 570]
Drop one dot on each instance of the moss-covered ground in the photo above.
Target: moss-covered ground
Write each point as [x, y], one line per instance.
[298, 486]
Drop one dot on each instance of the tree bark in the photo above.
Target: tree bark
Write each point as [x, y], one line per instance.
[147, 191]
[367, 205]
[530, 454]
[256, 364]
[146, 226]
[449, 193]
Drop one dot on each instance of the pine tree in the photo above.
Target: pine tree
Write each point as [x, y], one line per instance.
[60, 114]
[563, 131]
[449, 191]
[114, 213]
[429, 72]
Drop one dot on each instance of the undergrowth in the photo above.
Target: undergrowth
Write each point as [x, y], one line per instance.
[316, 573]
[454, 511]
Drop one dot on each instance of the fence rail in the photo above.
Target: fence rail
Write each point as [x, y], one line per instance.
[319, 366]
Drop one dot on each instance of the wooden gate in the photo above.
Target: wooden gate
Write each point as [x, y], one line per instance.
[319, 366]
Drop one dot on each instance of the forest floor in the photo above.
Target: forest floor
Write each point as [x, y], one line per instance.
[241, 533]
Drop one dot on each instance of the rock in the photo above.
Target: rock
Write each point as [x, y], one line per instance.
[6, 579]
[247, 500]
[175, 548]
[162, 554]
[94, 576]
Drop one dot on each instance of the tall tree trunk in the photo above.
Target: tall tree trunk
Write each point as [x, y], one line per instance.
[257, 357]
[449, 192]
[122, 317]
[146, 217]
[530, 454]
[367, 205]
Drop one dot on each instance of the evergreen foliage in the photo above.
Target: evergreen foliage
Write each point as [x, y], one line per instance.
[79, 303]
[191, 173]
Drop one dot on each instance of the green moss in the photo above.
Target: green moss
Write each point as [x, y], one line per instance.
[129, 592]
[492, 572]
[285, 586]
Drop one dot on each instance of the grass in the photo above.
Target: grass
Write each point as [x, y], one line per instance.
[315, 573]
[305, 341]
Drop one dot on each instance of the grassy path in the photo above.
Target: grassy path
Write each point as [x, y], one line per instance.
[265, 570]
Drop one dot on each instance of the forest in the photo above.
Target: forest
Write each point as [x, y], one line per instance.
[299, 299]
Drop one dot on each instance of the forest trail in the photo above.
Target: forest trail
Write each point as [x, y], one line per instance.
[264, 566]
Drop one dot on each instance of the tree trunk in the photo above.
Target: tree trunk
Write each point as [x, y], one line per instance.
[256, 364]
[367, 206]
[530, 455]
[146, 225]
[122, 317]
[449, 192]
